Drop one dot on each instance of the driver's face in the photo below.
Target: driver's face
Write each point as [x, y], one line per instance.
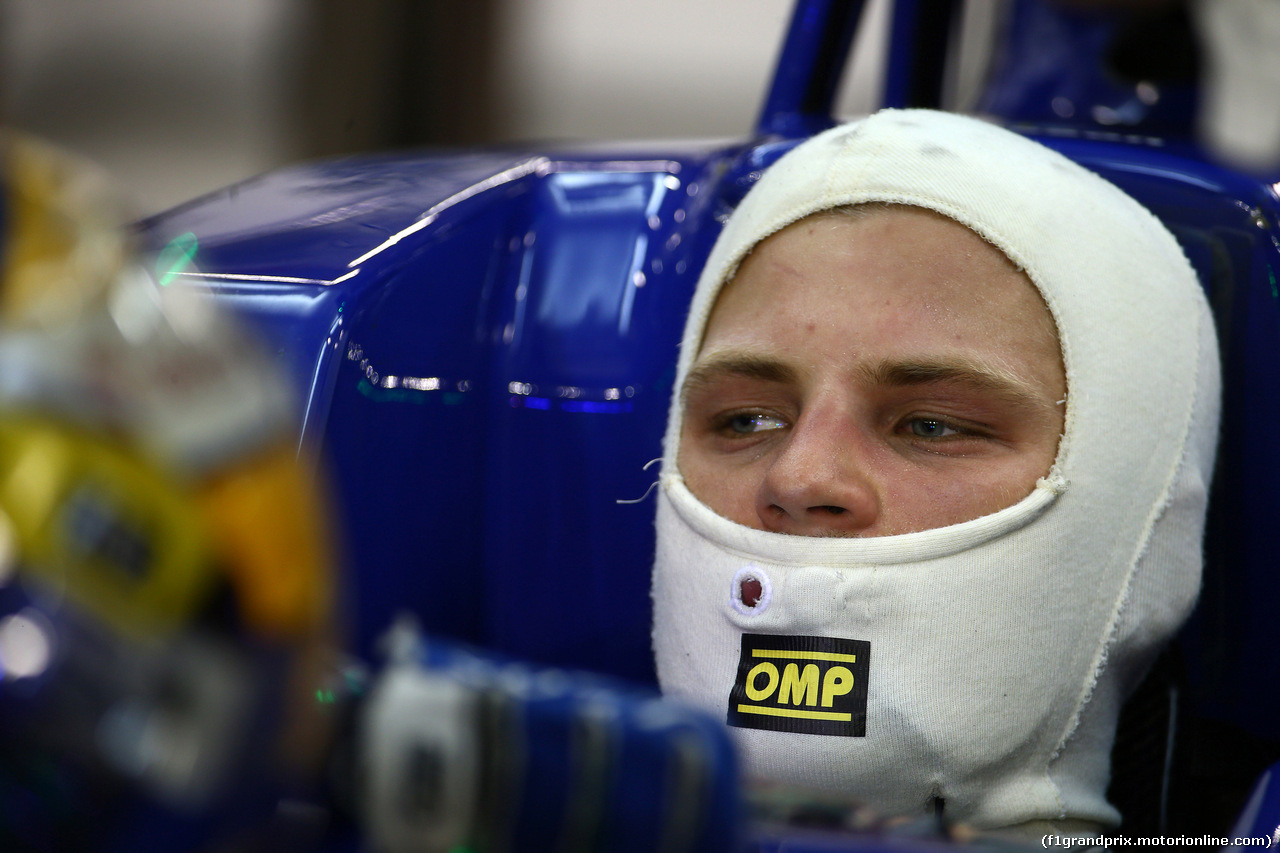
[872, 375]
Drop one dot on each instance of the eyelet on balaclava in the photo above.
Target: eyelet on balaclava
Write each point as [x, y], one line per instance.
[981, 664]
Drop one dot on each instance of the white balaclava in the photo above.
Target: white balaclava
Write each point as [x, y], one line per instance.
[981, 664]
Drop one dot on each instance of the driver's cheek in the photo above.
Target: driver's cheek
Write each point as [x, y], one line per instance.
[951, 490]
[726, 483]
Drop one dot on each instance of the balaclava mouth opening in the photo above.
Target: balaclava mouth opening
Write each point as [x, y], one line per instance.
[982, 664]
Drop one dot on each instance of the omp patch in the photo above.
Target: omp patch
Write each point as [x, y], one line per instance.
[809, 685]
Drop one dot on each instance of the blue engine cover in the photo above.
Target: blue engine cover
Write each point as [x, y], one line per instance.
[485, 346]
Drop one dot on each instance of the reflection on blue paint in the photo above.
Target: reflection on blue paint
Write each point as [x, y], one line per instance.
[588, 266]
[589, 406]
[403, 394]
[594, 407]
[176, 257]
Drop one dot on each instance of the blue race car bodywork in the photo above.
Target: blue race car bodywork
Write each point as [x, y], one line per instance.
[485, 345]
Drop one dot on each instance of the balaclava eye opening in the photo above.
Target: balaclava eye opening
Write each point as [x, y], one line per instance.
[982, 663]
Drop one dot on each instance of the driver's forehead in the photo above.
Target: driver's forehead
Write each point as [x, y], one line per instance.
[885, 283]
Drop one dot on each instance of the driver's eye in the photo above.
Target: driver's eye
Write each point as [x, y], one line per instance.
[929, 428]
[753, 422]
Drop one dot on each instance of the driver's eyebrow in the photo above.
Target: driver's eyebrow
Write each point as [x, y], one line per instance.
[949, 369]
[730, 363]
[954, 370]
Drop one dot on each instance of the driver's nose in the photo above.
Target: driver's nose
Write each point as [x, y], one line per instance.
[820, 483]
